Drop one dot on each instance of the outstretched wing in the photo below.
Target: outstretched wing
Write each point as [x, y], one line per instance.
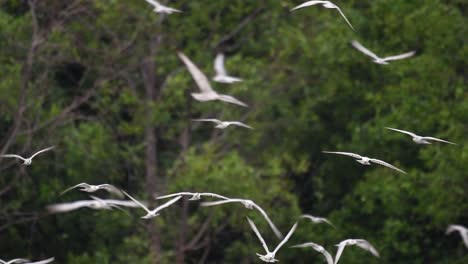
[219, 65]
[439, 140]
[341, 247]
[200, 78]
[364, 244]
[13, 156]
[317, 220]
[403, 131]
[66, 207]
[254, 228]
[137, 202]
[363, 49]
[272, 225]
[342, 15]
[221, 202]
[208, 120]
[236, 123]
[112, 189]
[308, 3]
[383, 163]
[356, 156]
[83, 184]
[42, 261]
[286, 238]
[317, 248]
[167, 204]
[42, 150]
[400, 57]
[173, 195]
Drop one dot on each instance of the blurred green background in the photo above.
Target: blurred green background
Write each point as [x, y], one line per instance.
[101, 80]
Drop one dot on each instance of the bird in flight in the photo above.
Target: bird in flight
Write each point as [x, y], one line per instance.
[155, 212]
[317, 248]
[27, 161]
[270, 255]
[364, 244]
[194, 196]
[159, 8]
[317, 220]
[249, 204]
[96, 204]
[420, 139]
[206, 91]
[223, 124]
[366, 160]
[84, 187]
[26, 261]
[376, 58]
[460, 229]
[221, 74]
[326, 4]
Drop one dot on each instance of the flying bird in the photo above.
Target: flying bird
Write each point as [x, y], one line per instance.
[18, 260]
[221, 74]
[84, 187]
[249, 204]
[460, 229]
[376, 58]
[96, 204]
[159, 8]
[317, 248]
[270, 255]
[155, 212]
[27, 161]
[206, 91]
[420, 139]
[364, 244]
[365, 160]
[326, 4]
[194, 196]
[223, 124]
[317, 220]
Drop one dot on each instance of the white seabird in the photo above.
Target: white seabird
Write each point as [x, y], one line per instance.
[365, 160]
[420, 139]
[316, 219]
[84, 187]
[376, 58]
[364, 244]
[317, 248]
[221, 74]
[326, 4]
[223, 124]
[460, 229]
[27, 161]
[159, 8]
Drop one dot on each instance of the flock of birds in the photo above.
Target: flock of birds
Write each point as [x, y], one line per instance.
[208, 94]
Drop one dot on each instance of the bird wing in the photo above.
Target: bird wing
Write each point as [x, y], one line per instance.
[319, 249]
[232, 100]
[125, 203]
[208, 120]
[341, 247]
[200, 78]
[286, 238]
[400, 57]
[356, 156]
[403, 131]
[236, 123]
[342, 15]
[440, 140]
[214, 195]
[254, 228]
[154, 3]
[364, 244]
[272, 225]
[137, 202]
[363, 49]
[464, 235]
[383, 163]
[327, 255]
[222, 202]
[18, 260]
[112, 189]
[66, 207]
[167, 204]
[83, 184]
[13, 156]
[308, 3]
[173, 194]
[317, 220]
[42, 150]
[219, 65]
[42, 261]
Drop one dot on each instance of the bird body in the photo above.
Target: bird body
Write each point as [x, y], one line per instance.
[27, 161]
[460, 229]
[364, 244]
[420, 139]
[376, 58]
[326, 4]
[159, 8]
[221, 74]
[365, 160]
[223, 124]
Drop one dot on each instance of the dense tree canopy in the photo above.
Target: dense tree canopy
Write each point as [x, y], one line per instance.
[102, 82]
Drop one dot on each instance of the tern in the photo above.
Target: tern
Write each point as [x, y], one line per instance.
[366, 160]
[326, 4]
[317, 220]
[249, 204]
[159, 8]
[461, 229]
[317, 248]
[223, 124]
[195, 196]
[376, 58]
[364, 244]
[207, 93]
[84, 187]
[270, 255]
[420, 139]
[221, 74]
[27, 161]
[153, 213]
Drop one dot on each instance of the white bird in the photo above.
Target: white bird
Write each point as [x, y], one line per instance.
[366, 160]
[207, 93]
[27, 161]
[460, 229]
[317, 248]
[326, 4]
[45, 261]
[84, 187]
[317, 220]
[96, 204]
[195, 196]
[270, 255]
[153, 213]
[18, 260]
[249, 204]
[223, 124]
[159, 8]
[364, 244]
[376, 58]
[420, 139]
[221, 74]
